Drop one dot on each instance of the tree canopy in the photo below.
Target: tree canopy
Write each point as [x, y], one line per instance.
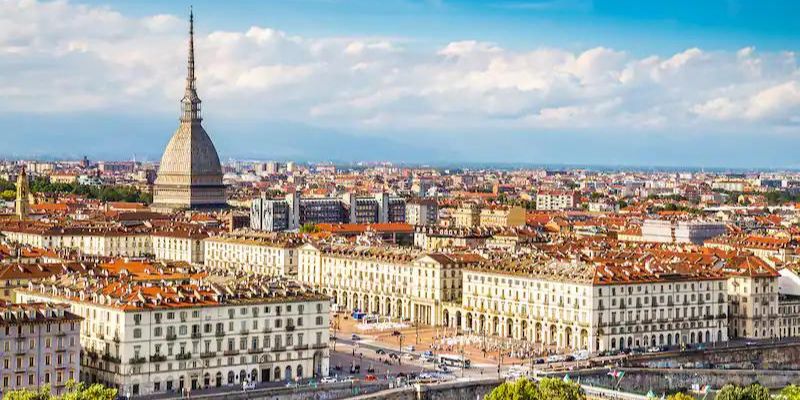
[546, 389]
[104, 193]
[680, 396]
[75, 391]
[750, 392]
[791, 392]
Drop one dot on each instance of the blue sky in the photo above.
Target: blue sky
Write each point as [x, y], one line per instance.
[696, 83]
[642, 26]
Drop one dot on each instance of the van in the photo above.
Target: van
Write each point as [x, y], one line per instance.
[408, 349]
[581, 355]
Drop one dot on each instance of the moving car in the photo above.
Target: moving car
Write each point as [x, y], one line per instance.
[328, 379]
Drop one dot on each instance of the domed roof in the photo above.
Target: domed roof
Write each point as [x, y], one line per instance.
[190, 152]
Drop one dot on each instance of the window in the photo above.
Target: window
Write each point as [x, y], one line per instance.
[137, 333]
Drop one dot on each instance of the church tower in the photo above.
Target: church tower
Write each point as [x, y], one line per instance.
[22, 203]
[190, 174]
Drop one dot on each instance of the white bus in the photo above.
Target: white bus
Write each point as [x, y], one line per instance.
[450, 360]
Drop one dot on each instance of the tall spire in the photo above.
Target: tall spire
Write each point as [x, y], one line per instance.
[190, 103]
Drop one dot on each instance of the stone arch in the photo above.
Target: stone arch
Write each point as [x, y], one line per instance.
[458, 319]
[584, 344]
[524, 330]
[568, 340]
[299, 371]
[318, 356]
[509, 325]
[537, 333]
[446, 318]
[287, 375]
[553, 334]
[276, 374]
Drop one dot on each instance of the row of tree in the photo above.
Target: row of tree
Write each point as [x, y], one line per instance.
[75, 391]
[557, 389]
[545, 389]
[104, 193]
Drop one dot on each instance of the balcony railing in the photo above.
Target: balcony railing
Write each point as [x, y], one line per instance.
[219, 333]
[111, 359]
[158, 358]
[208, 354]
[231, 352]
[137, 360]
[196, 335]
[183, 356]
[289, 328]
[171, 336]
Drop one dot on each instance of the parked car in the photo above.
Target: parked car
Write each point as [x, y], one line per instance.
[371, 378]
[380, 351]
[248, 385]
[355, 337]
[395, 333]
[328, 379]
[654, 349]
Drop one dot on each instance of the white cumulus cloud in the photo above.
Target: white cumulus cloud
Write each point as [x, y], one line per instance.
[65, 57]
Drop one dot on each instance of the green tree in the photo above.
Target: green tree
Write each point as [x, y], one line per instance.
[791, 392]
[308, 227]
[75, 391]
[79, 391]
[546, 389]
[751, 392]
[8, 195]
[521, 389]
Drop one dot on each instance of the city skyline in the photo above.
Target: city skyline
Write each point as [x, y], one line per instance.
[714, 86]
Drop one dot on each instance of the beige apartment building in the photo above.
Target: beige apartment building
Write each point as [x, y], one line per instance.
[401, 283]
[149, 330]
[574, 305]
[267, 253]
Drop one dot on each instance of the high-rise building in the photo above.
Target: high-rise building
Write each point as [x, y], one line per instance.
[190, 174]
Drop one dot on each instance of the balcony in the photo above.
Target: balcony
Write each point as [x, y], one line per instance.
[301, 347]
[208, 354]
[244, 332]
[183, 356]
[158, 358]
[112, 359]
[219, 333]
[171, 336]
[255, 351]
[320, 346]
[137, 360]
[196, 335]
[267, 330]
[231, 352]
